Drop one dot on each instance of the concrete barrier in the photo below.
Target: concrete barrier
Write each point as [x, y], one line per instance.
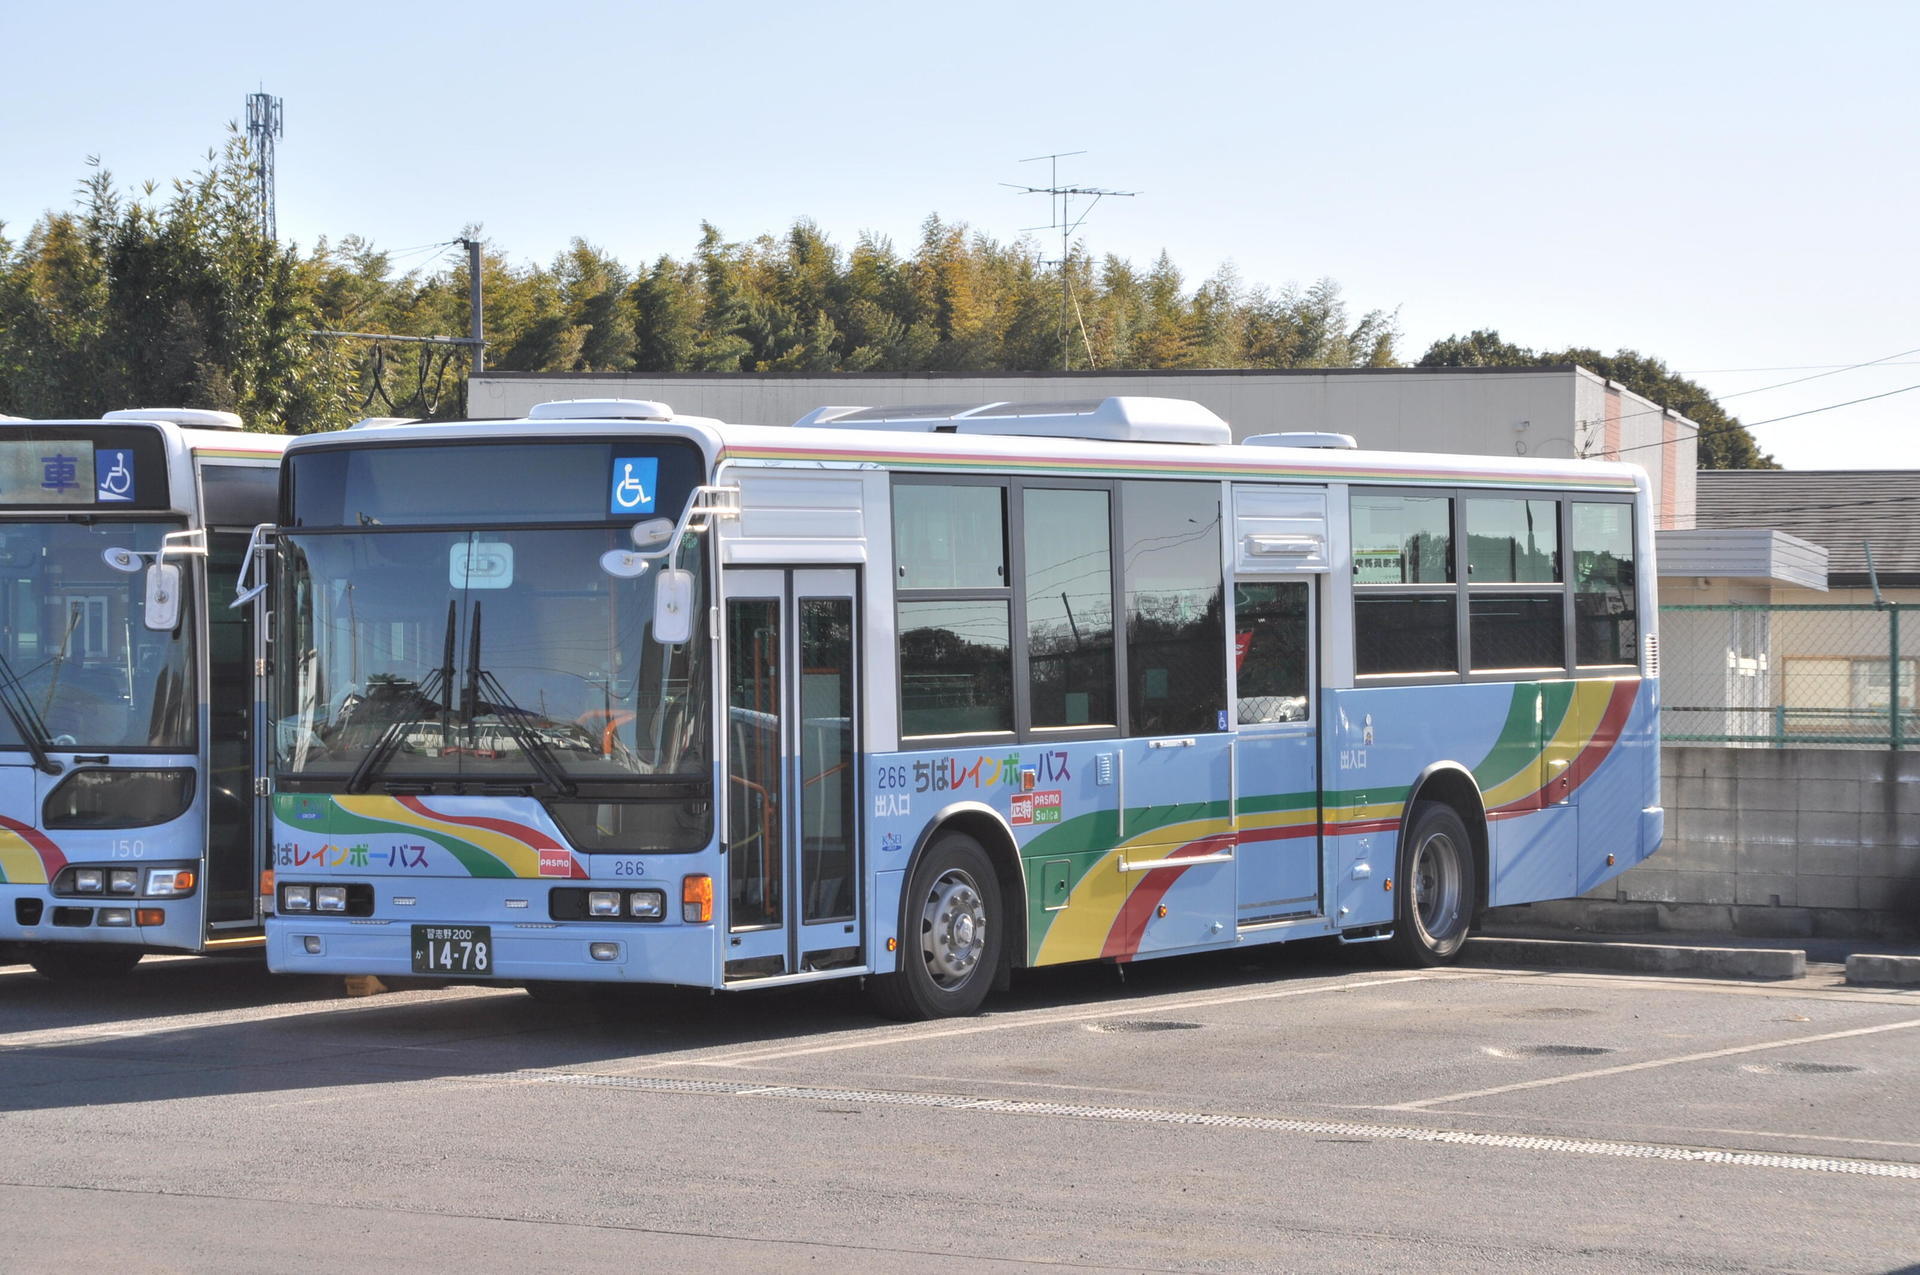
[1640, 958]
[1883, 971]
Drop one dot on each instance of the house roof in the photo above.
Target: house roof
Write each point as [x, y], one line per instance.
[1840, 509]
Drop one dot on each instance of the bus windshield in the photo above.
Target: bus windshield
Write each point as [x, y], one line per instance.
[88, 673]
[406, 658]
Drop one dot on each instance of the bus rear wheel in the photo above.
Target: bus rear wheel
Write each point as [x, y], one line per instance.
[81, 965]
[1436, 880]
[950, 946]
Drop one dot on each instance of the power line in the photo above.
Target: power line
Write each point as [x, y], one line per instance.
[1773, 420]
[1799, 380]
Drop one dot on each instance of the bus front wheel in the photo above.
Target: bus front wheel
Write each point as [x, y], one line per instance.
[1436, 883]
[951, 944]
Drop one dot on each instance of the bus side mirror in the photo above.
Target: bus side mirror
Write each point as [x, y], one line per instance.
[673, 606]
[162, 613]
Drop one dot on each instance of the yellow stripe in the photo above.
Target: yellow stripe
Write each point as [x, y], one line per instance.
[20, 863]
[521, 859]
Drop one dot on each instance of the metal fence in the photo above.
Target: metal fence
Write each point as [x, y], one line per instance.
[1816, 675]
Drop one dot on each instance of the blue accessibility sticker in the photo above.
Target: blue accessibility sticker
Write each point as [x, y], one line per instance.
[635, 487]
[112, 475]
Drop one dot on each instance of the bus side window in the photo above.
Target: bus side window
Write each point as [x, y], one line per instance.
[1271, 652]
[1175, 607]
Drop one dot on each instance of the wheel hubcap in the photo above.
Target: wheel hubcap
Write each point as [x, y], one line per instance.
[953, 929]
[1438, 902]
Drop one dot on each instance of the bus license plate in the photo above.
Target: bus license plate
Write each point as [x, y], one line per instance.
[453, 949]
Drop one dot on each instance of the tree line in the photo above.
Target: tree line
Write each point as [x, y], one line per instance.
[175, 298]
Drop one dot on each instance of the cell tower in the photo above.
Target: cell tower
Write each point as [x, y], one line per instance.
[1060, 207]
[265, 121]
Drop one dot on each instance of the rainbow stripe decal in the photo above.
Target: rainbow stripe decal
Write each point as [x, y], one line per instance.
[27, 857]
[405, 834]
[1107, 910]
[1124, 466]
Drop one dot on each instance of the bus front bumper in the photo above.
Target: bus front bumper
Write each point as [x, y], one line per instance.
[582, 952]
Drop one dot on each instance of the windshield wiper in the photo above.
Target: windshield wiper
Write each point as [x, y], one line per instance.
[434, 684]
[26, 718]
[538, 751]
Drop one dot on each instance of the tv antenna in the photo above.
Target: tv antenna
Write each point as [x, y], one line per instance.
[265, 121]
[1061, 208]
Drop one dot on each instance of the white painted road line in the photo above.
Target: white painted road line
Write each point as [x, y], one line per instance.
[1720, 1157]
[1020, 1019]
[1649, 1065]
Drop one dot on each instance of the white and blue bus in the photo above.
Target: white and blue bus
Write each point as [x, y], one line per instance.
[923, 696]
[127, 702]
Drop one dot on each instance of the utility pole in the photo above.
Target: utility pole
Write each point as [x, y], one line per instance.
[265, 122]
[476, 334]
[1066, 223]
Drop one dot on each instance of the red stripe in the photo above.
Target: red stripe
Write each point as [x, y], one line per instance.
[519, 831]
[51, 857]
[1123, 940]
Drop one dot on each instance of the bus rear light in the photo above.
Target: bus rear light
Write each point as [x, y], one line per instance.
[696, 899]
[150, 916]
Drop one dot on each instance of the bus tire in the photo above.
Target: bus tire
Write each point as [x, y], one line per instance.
[82, 965]
[950, 944]
[1436, 880]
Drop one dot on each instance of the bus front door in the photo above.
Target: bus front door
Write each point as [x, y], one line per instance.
[794, 866]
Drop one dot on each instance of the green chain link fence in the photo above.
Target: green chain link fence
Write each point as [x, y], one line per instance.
[1804, 676]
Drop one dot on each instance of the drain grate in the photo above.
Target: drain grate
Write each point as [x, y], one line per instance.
[1254, 1124]
[1142, 1025]
[1544, 1051]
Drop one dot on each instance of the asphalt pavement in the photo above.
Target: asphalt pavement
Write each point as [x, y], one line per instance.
[1304, 1110]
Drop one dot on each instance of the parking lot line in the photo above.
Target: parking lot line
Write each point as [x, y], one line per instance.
[1648, 1065]
[1016, 1019]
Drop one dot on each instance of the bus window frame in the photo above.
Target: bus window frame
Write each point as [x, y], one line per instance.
[1463, 590]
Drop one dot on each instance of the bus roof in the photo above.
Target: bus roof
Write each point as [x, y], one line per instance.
[938, 439]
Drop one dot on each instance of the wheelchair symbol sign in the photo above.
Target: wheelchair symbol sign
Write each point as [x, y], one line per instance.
[634, 484]
[113, 476]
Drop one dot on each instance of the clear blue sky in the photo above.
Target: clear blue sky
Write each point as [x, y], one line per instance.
[1725, 186]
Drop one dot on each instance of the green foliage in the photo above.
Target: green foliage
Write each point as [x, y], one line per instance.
[1724, 443]
[124, 301]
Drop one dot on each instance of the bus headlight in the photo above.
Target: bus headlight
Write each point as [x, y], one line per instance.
[330, 898]
[603, 903]
[169, 883]
[296, 898]
[89, 881]
[648, 905]
[123, 881]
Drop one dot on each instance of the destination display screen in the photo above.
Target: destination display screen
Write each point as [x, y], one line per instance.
[484, 484]
[113, 467]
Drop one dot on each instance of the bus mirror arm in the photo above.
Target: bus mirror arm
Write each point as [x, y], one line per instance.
[243, 592]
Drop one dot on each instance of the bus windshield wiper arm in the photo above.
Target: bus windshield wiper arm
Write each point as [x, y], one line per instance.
[25, 718]
[537, 750]
[432, 685]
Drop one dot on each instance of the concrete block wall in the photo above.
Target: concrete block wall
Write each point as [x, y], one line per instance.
[1769, 842]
